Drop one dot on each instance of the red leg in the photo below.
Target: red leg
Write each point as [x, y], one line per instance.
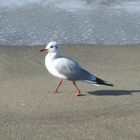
[57, 87]
[78, 90]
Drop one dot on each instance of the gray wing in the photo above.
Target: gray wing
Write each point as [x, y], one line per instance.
[71, 69]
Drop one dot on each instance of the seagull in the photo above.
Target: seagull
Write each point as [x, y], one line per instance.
[66, 68]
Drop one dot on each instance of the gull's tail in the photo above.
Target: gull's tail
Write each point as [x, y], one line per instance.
[97, 81]
[102, 82]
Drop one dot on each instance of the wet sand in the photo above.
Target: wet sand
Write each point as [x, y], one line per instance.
[29, 112]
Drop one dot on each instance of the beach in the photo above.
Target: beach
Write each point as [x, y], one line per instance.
[28, 111]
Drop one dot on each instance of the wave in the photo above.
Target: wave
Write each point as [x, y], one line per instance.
[97, 2]
[33, 22]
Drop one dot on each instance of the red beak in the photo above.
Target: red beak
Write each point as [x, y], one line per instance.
[42, 50]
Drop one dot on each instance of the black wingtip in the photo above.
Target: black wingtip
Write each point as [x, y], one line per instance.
[102, 82]
[109, 84]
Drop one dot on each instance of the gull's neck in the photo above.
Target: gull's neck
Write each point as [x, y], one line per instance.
[53, 55]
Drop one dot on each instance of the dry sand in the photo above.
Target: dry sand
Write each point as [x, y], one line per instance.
[29, 112]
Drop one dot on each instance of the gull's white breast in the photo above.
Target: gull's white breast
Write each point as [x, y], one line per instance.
[49, 62]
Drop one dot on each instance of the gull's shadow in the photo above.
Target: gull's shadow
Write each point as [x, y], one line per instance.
[112, 92]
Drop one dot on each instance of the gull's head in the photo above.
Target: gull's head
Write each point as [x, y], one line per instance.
[51, 47]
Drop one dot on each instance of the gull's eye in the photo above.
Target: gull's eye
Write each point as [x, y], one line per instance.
[51, 47]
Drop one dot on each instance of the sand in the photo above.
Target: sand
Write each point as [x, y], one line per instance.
[29, 112]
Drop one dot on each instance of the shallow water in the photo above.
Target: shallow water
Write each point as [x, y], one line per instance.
[34, 22]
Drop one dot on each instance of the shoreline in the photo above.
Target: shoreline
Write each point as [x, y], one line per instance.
[74, 44]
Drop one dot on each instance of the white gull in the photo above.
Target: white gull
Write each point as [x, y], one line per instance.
[65, 68]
